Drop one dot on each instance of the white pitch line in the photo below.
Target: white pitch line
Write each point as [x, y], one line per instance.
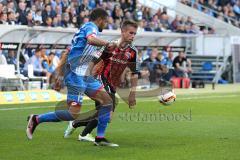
[189, 98]
[208, 97]
[36, 107]
[22, 108]
[145, 100]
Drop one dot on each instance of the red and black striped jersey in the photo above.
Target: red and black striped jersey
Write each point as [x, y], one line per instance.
[115, 62]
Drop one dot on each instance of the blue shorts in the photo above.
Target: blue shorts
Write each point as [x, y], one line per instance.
[77, 86]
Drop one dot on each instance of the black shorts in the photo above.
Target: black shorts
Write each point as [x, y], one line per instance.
[109, 89]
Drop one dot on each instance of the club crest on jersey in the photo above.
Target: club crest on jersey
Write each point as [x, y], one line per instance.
[128, 55]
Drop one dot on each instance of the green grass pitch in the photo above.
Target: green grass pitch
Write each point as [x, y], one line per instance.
[198, 126]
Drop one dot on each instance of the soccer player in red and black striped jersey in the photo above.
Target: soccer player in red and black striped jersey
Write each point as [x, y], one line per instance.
[109, 66]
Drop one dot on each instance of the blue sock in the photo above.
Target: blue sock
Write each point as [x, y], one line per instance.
[103, 119]
[57, 116]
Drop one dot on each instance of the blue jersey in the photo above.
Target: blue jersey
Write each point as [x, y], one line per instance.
[81, 52]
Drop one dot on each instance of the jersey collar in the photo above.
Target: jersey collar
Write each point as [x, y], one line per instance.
[118, 42]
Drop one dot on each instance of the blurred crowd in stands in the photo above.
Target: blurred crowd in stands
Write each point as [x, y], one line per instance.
[163, 65]
[226, 10]
[44, 62]
[155, 65]
[66, 13]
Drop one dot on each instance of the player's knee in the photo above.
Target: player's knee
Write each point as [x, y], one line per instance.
[107, 100]
[103, 98]
[74, 109]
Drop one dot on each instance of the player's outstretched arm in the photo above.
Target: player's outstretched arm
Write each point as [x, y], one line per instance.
[132, 95]
[100, 42]
[60, 72]
[62, 63]
[93, 40]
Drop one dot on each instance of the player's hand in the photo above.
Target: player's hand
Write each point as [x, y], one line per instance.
[58, 83]
[111, 46]
[132, 100]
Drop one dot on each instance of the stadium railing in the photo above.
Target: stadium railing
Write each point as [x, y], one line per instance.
[21, 37]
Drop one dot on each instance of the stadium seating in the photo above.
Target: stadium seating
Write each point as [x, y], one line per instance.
[204, 67]
[8, 78]
[33, 14]
[159, 22]
[41, 79]
[227, 11]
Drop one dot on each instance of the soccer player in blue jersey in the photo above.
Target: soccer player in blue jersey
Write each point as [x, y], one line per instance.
[109, 68]
[78, 80]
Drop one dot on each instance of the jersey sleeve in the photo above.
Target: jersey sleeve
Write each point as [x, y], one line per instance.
[98, 54]
[134, 63]
[91, 31]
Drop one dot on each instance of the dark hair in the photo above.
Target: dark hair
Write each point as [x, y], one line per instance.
[129, 23]
[29, 12]
[98, 13]
[51, 53]
[38, 50]
[9, 12]
[47, 5]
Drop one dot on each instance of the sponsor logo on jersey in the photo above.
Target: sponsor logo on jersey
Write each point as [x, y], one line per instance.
[118, 60]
